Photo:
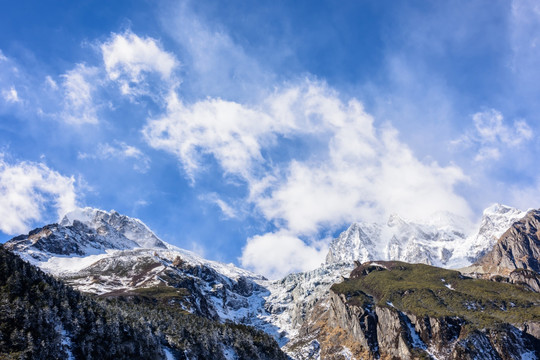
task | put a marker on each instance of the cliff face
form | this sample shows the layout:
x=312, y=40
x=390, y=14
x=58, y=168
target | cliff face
x=515, y=257
x=518, y=247
x=390, y=333
x=392, y=310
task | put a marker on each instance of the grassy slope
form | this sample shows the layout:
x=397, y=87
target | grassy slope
x=419, y=289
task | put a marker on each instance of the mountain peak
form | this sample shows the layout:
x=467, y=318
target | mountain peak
x=517, y=248
x=498, y=208
x=105, y=222
x=442, y=239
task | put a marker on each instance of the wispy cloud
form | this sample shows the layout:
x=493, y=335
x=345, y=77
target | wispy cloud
x=27, y=189
x=491, y=135
x=79, y=86
x=215, y=65
x=225, y=208
x=120, y=151
x=10, y=95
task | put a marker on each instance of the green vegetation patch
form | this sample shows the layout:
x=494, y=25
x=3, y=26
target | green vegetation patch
x=426, y=290
x=162, y=292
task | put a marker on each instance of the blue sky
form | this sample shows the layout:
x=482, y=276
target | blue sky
x=254, y=132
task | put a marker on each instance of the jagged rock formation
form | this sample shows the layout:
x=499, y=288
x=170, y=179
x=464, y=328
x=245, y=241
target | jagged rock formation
x=496, y=219
x=442, y=240
x=515, y=256
x=518, y=247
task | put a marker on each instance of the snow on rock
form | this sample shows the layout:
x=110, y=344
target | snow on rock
x=289, y=300
x=109, y=223
x=168, y=354
x=444, y=239
x=496, y=219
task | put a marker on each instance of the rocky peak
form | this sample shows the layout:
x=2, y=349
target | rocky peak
x=518, y=247
x=359, y=242
x=76, y=239
x=496, y=219
x=431, y=242
x=443, y=239
x=112, y=222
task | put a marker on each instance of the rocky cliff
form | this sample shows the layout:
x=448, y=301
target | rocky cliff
x=518, y=247
x=394, y=310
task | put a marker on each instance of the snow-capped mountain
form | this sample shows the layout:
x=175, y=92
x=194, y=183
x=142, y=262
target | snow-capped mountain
x=109, y=254
x=496, y=219
x=106, y=253
x=114, y=225
x=443, y=240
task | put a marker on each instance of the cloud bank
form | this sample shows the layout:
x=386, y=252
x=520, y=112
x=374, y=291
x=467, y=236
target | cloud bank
x=359, y=170
x=27, y=189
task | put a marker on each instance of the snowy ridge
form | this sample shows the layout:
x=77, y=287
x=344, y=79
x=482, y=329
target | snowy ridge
x=496, y=219
x=109, y=223
x=443, y=240
x=290, y=299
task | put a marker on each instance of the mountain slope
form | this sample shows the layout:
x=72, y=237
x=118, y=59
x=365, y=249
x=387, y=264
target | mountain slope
x=120, y=259
x=496, y=220
x=518, y=247
x=399, y=310
x=100, y=253
x=42, y=318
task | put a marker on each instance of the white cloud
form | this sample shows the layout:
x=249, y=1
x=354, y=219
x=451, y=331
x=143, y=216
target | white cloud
x=128, y=57
x=27, y=189
x=120, y=151
x=78, y=86
x=358, y=172
x=278, y=254
x=225, y=208
x=232, y=133
x=491, y=135
x=51, y=83
x=11, y=95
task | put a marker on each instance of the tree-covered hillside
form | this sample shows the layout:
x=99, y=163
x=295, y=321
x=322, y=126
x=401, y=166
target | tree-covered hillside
x=42, y=318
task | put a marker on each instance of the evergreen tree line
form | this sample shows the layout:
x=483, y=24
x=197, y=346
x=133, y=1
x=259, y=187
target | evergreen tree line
x=195, y=337
x=42, y=318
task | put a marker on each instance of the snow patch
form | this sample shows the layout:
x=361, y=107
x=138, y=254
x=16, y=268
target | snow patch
x=415, y=339
x=347, y=354
x=168, y=354
x=528, y=356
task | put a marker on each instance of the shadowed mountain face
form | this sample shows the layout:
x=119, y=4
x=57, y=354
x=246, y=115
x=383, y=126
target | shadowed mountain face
x=518, y=248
